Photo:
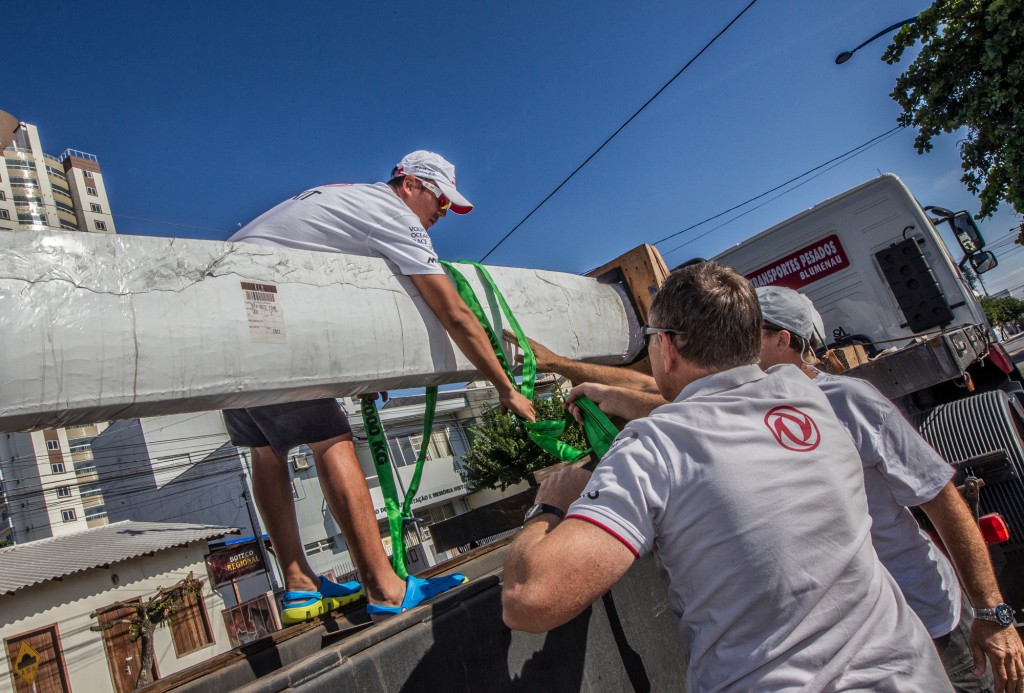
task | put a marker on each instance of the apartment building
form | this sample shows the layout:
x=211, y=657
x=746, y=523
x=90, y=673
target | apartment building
x=41, y=192
x=48, y=484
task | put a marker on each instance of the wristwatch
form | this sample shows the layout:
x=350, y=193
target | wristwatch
x=542, y=508
x=1001, y=613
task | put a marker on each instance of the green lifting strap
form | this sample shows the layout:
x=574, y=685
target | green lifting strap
x=382, y=462
x=599, y=430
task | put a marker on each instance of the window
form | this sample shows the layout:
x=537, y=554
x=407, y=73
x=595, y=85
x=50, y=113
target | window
x=95, y=207
x=56, y=467
x=80, y=444
x=3, y=195
x=53, y=445
x=300, y=462
x=437, y=448
x=87, y=174
x=319, y=547
x=4, y=214
x=88, y=490
x=190, y=626
x=68, y=515
x=90, y=190
x=63, y=492
x=85, y=467
x=96, y=512
x=100, y=226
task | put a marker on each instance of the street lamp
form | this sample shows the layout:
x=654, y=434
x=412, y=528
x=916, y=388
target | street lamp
x=846, y=55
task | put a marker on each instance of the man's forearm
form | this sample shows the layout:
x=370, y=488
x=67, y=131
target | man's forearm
x=965, y=545
x=580, y=372
x=471, y=339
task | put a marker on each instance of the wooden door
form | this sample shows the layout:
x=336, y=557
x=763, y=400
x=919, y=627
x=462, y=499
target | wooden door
x=51, y=673
x=123, y=655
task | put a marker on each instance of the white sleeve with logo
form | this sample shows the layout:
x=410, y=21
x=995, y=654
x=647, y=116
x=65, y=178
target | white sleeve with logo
x=626, y=494
x=405, y=242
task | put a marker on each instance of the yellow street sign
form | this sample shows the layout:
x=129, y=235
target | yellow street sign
x=26, y=662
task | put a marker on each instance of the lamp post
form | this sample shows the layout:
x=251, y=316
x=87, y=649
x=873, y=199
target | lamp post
x=846, y=55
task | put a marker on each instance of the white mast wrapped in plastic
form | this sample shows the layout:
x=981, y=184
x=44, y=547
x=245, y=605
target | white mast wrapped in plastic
x=96, y=327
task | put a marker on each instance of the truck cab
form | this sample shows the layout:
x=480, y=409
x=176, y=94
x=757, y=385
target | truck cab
x=899, y=313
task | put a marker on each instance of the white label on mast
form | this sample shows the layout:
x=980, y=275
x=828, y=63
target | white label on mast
x=265, y=315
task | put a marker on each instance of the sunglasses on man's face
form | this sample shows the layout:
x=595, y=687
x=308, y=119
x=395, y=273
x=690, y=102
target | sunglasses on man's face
x=647, y=331
x=441, y=197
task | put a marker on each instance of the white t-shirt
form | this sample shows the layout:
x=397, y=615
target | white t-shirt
x=365, y=220
x=900, y=471
x=754, y=497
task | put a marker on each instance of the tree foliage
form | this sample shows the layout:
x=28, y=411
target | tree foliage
x=502, y=454
x=145, y=617
x=969, y=74
x=1003, y=311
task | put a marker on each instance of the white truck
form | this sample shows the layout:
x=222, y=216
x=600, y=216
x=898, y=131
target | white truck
x=874, y=264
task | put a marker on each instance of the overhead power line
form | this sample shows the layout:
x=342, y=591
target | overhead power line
x=171, y=223
x=809, y=171
x=620, y=128
x=822, y=172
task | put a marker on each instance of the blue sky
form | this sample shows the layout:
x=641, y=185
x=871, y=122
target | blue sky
x=206, y=114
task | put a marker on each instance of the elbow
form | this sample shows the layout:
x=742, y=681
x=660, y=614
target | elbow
x=520, y=612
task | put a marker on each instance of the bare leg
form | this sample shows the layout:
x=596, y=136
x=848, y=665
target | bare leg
x=344, y=486
x=272, y=490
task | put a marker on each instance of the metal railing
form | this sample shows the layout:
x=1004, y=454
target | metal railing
x=78, y=155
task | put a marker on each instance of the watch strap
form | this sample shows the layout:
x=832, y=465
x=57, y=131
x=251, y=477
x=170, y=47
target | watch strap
x=544, y=508
x=1001, y=613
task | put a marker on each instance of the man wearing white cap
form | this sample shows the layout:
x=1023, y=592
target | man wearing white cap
x=901, y=471
x=387, y=220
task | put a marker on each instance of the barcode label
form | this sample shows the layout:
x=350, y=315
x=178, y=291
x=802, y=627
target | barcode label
x=263, y=313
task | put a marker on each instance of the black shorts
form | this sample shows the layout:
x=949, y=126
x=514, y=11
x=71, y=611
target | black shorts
x=288, y=425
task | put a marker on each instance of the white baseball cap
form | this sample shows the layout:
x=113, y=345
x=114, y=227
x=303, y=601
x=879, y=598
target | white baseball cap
x=434, y=167
x=792, y=311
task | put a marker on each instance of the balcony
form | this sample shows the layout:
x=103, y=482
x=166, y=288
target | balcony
x=78, y=155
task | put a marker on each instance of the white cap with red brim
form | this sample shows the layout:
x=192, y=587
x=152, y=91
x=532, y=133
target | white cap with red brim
x=434, y=167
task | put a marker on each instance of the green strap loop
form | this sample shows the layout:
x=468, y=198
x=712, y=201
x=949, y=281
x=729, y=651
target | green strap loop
x=382, y=462
x=598, y=429
x=428, y=428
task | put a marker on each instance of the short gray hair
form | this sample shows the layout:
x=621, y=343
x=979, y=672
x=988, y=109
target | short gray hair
x=715, y=314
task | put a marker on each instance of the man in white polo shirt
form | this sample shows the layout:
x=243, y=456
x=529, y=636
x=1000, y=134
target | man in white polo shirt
x=387, y=220
x=902, y=471
x=753, y=494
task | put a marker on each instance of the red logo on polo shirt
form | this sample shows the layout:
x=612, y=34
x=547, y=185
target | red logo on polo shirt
x=793, y=429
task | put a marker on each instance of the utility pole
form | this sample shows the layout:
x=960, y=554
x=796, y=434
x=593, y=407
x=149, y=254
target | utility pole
x=258, y=533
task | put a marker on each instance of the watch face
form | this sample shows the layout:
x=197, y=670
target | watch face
x=1004, y=614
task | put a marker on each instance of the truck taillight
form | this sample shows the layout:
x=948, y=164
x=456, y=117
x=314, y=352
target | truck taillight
x=999, y=358
x=993, y=529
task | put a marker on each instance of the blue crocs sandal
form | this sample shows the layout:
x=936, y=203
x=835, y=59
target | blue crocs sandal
x=417, y=591
x=337, y=595
x=297, y=607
